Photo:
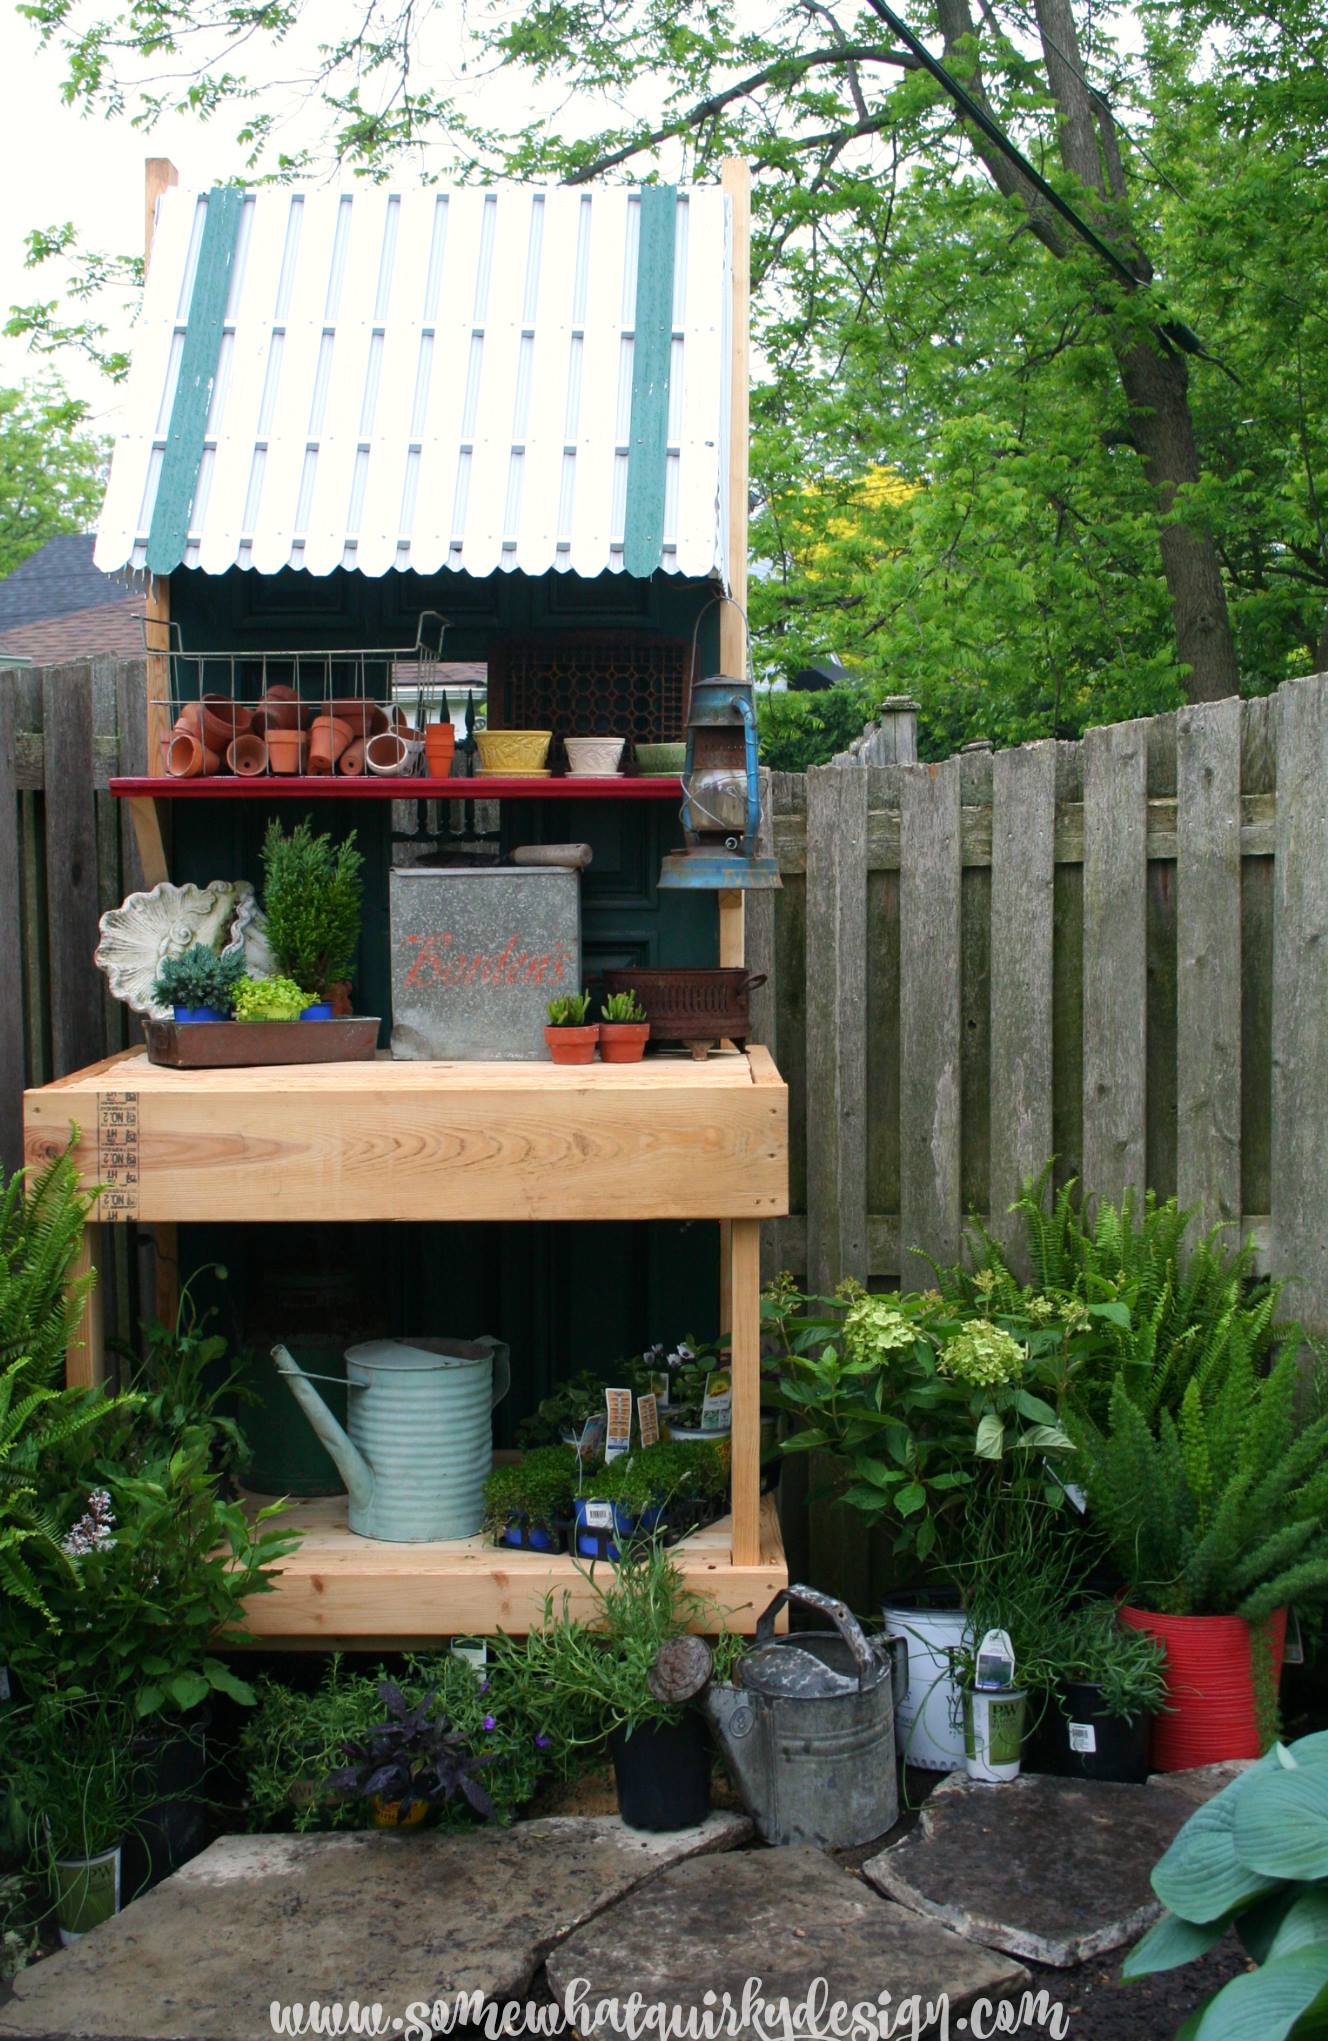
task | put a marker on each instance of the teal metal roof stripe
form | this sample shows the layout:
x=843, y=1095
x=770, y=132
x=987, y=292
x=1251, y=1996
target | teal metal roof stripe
x=193, y=392
x=647, y=459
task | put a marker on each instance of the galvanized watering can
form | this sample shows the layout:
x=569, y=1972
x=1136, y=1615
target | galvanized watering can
x=808, y=1730
x=420, y=1444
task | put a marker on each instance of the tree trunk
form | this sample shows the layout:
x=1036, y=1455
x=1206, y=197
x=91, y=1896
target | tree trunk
x=1154, y=374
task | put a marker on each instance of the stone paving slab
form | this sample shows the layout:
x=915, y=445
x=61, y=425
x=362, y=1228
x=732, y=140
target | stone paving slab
x=786, y=1916
x=1202, y=1782
x=1056, y=1870
x=375, y=1917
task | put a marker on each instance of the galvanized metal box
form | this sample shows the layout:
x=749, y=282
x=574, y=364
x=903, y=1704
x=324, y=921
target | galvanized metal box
x=477, y=956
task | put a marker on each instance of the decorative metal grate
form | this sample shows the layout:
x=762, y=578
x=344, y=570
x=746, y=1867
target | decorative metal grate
x=591, y=684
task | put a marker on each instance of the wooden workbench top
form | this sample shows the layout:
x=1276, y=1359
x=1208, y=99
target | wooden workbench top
x=669, y=1138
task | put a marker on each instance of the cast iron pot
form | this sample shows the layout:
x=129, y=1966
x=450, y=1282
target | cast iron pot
x=663, y=1773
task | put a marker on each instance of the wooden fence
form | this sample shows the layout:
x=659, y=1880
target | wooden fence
x=1114, y=952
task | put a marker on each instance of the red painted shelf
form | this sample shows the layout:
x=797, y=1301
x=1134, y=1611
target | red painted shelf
x=326, y=787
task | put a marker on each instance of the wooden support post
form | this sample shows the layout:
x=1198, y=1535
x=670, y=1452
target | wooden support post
x=745, y=1359
x=85, y=1361
x=160, y=176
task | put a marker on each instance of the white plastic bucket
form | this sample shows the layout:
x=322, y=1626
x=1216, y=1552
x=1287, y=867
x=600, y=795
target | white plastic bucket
x=929, y=1722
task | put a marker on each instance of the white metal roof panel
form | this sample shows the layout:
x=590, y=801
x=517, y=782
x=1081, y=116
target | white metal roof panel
x=426, y=380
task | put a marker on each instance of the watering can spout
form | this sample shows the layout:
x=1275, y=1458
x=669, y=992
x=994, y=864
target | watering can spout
x=732, y=1718
x=349, y=1461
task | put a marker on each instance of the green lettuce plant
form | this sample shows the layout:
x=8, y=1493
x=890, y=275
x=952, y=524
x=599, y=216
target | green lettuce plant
x=269, y=999
x=1254, y=1858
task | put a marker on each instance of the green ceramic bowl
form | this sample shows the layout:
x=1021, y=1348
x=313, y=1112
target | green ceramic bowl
x=660, y=758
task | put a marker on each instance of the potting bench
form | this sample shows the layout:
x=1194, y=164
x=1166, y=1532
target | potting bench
x=671, y=1138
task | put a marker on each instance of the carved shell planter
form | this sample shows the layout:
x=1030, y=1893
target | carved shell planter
x=137, y=937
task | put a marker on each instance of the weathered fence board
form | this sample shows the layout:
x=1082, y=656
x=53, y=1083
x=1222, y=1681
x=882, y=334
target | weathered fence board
x=11, y=955
x=929, y=1017
x=1208, y=975
x=1300, y=1000
x=1115, y=959
x=837, y=1024
x=1023, y=872
x=72, y=909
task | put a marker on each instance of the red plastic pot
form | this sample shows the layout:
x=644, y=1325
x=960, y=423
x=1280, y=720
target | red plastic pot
x=1211, y=1713
x=572, y=1045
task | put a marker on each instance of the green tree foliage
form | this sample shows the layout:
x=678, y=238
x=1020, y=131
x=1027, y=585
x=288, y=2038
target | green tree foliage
x=51, y=470
x=1111, y=472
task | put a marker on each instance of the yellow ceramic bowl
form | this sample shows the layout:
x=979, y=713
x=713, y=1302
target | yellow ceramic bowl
x=513, y=750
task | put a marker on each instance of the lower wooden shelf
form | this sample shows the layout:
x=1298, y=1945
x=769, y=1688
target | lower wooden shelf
x=341, y=1589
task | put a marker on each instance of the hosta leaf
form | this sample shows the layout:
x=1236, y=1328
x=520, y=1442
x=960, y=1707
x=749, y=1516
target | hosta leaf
x=1304, y=1924
x=1281, y=1823
x=1268, y=2003
x=1169, y=1943
x=1200, y=1877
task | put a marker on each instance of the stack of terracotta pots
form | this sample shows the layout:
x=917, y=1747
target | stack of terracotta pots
x=284, y=735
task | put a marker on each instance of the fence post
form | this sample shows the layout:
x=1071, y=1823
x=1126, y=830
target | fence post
x=1300, y=1002
x=1208, y=951
x=1115, y=958
x=929, y=1020
x=1023, y=849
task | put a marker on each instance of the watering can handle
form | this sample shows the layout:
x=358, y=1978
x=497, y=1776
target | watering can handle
x=502, y=1368
x=839, y=1613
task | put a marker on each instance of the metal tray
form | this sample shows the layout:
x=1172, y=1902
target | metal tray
x=231, y=1045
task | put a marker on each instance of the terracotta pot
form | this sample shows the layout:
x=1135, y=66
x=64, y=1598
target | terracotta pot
x=328, y=738
x=338, y=993
x=247, y=755
x=279, y=709
x=186, y=757
x=223, y=720
x=287, y=750
x=366, y=719
x=1211, y=1713
x=623, y=1041
x=351, y=760
x=439, y=749
x=572, y=1045
x=387, y=754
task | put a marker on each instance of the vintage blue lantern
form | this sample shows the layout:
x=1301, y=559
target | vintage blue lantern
x=721, y=783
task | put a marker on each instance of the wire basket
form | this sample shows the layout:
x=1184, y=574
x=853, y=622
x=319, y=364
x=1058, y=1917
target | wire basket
x=294, y=712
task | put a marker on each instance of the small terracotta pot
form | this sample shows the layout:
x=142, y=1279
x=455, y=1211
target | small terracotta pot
x=366, y=719
x=287, y=750
x=573, y=1045
x=338, y=994
x=186, y=757
x=247, y=755
x=439, y=749
x=623, y=1041
x=279, y=709
x=387, y=754
x=223, y=720
x=328, y=738
x=351, y=760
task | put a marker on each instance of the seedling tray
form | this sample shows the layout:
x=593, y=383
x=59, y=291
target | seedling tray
x=231, y=1045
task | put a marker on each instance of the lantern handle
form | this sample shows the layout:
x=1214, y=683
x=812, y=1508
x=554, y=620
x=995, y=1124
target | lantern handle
x=704, y=611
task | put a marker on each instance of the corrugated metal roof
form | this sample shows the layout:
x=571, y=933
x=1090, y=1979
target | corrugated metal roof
x=470, y=379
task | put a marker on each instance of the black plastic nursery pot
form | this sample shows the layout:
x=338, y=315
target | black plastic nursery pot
x=177, y=1825
x=1081, y=1739
x=663, y=1773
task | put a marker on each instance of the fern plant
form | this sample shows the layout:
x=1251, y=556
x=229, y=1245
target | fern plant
x=41, y=1230
x=1127, y=1292
x=34, y=1420
x=1218, y=1507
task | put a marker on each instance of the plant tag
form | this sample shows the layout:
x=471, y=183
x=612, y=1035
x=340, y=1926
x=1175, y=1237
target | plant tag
x=1295, y=1642
x=618, y=1436
x=717, y=1404
x=659, y=1388
x=591, y=1441
x=647, y=1418
x=473, y=1649
x=995, y=1667
x=1083, y=1737
x=598, y=1516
